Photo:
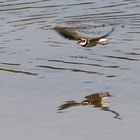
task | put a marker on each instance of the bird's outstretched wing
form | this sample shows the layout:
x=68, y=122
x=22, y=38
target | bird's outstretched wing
x=65, y=32
x=103, y=36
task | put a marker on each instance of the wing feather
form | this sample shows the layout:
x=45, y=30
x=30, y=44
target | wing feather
x=106, y=35
x=65, y=32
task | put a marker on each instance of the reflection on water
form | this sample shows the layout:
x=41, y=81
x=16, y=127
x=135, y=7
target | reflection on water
x=99, y=100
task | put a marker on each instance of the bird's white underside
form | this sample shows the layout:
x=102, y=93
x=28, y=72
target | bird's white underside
x=103, y=41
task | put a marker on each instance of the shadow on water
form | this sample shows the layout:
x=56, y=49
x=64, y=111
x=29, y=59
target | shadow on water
x=98, y=100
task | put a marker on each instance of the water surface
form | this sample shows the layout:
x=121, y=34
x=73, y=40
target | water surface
x=40, y=70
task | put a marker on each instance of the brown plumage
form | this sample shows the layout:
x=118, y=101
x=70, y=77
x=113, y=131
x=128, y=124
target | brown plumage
x=65, y=32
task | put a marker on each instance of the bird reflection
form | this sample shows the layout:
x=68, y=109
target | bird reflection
x=99, y=100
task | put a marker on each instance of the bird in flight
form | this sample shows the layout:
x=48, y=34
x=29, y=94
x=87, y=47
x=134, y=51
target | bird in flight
x=83, y=40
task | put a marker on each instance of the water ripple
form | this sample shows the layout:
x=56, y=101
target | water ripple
x=14, y=68
x=18, y=71
x=70, y=69
x=122, y=58
x=76, y=63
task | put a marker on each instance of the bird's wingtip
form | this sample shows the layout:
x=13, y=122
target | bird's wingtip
x=113, y=28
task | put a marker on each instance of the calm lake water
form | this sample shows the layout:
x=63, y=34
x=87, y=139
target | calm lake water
x=40, y=70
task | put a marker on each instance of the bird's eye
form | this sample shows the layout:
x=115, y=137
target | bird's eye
x=83, y=40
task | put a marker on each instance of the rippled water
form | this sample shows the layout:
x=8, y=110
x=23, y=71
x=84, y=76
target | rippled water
x=40, y=70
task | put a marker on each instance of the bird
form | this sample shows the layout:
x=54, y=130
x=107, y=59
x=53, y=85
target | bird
x=84, y=41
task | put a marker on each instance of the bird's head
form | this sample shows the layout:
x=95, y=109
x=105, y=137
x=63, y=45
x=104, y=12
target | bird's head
x=83, y=41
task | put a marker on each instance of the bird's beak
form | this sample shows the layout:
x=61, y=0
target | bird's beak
x=78, y=41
